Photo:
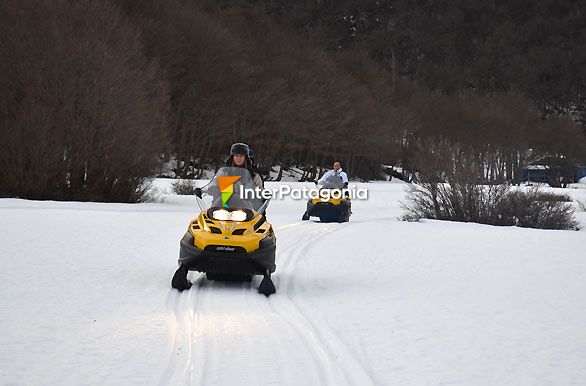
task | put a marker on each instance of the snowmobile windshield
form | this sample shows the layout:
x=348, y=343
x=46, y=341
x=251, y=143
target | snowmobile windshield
x=332, y=182
x=230, y=189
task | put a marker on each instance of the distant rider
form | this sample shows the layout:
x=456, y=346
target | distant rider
x=337, y=171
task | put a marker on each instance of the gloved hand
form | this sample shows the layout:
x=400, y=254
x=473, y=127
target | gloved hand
x=345, y=185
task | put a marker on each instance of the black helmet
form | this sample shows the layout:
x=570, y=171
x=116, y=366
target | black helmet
x=240, y=148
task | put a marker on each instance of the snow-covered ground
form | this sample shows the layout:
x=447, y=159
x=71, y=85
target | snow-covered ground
x=85, y=299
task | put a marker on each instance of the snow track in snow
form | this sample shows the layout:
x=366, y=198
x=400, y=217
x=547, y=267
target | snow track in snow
x=260, y=341
x=339, y=365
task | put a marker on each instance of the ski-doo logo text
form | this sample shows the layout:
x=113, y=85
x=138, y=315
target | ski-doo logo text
x=226, y=184
x=225, y=249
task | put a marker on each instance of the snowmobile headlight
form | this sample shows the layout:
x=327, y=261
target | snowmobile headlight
x=238, y=215
x=225, y=215
x=221, y=214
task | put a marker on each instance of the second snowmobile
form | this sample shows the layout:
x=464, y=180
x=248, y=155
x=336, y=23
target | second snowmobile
x=333, y=205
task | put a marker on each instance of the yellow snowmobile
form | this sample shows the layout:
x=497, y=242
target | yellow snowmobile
x=332, y=205
x=231, y=239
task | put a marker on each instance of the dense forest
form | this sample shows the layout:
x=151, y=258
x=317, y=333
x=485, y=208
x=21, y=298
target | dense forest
x=94, y=95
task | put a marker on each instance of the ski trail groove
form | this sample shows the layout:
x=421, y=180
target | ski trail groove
x=189, y=350
x=184, y=321
x=328, y=369
x=176, y=339
x=334, y=354
x=194, y=373
x=284, y=341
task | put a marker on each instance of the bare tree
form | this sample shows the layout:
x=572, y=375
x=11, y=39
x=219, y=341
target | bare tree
x=83, y=111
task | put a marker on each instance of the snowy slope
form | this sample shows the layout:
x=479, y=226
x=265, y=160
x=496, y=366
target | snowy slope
x=85, y=300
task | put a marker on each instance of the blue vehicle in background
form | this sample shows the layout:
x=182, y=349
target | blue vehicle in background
x=542, y=174
x=580, y=172
x=553, y=175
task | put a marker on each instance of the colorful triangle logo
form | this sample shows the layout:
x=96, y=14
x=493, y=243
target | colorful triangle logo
x=226, y=184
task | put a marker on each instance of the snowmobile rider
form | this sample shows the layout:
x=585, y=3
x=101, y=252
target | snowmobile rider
x=345, y=203
x=240, y=157
x=337, y=171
